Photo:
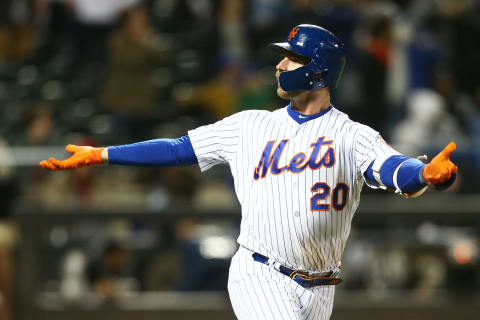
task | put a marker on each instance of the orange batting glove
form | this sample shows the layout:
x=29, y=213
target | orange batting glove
x=441, y=169
x=82, y=156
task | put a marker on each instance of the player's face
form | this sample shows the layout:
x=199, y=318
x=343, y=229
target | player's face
x=288, y=63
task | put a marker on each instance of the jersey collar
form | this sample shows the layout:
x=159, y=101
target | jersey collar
x=301, y=118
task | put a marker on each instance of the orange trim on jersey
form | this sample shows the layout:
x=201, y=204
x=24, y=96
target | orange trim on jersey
x=305, y=164
x=260, y=162
x=330, y=153
x=269, y=162
x=275, y=161
x=315, y=145
x=272, y=159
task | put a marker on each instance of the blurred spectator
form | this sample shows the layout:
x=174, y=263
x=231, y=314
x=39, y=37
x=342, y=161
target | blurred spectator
x=158, y=270
x=55, y=24
x=426, y=115
x=424, y=54
x=130, y=92
x=110, y=273
x=180, y=185
x=38, y=125
x=458, y=104
x=236, y=87
x=233, y=30
x=93, y=22
x=217, y=97
x=206, y=250
x=264, y=18
x=433, y=117
x=16, y=30
x=373, y=62
x=257, y=90
x=342, y=17
x=194, y=22
x=455, y=23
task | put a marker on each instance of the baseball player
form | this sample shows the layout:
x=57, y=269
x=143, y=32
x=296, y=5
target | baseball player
x=298, y=174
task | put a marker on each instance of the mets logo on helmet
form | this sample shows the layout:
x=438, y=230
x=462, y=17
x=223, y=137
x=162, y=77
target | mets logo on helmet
x=293, y=33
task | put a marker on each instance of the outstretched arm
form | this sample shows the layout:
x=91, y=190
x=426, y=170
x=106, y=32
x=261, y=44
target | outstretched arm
x=152, y=153
x=410, y=176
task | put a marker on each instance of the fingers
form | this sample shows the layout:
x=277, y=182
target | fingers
x=47, y=165
x=63, y=164
x=448, y=172
x=73, y=148
x=439, y=174
x=446, y=153
x=455, y=168
x=80, y=157
x=54, y=164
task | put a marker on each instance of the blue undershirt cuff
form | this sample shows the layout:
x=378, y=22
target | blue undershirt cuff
x=409, y=176
x=388, y=168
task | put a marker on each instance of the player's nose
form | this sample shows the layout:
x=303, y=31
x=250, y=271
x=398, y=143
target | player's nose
x=282, y=65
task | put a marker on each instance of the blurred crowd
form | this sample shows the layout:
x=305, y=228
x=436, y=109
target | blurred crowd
x=117, y=71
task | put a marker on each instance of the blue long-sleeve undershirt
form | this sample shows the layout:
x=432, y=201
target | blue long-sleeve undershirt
x=179, y=152
x=409, y=176
x=154, y=153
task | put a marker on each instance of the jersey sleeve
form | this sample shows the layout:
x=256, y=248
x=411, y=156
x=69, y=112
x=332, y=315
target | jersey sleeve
x=216, y=143
x=369, y=146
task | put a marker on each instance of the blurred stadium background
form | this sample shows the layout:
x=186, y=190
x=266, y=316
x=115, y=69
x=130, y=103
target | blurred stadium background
x=129, y=243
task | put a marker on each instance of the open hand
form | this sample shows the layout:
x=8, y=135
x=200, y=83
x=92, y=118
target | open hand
x=81, y=156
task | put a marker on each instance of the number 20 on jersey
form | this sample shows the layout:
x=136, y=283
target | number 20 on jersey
x=323, y=201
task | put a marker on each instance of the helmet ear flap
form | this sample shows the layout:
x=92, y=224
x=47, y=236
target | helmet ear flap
x=303, y=78
x=320, y=75
x=319, y=65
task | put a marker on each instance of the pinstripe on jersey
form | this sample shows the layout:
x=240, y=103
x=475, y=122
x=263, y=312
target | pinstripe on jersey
x=297, y=202
x=259, y=292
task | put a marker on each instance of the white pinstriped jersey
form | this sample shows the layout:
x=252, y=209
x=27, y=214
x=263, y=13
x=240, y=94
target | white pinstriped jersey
x=298, y=184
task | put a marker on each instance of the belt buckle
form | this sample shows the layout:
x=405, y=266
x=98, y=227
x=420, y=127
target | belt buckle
x=301, y=275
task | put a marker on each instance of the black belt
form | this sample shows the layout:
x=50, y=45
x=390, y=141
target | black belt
x=302, y=278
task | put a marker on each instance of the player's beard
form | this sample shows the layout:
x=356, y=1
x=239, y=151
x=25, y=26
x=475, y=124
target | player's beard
x=287, y=95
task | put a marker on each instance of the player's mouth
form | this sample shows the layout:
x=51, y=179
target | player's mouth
x=277, y=75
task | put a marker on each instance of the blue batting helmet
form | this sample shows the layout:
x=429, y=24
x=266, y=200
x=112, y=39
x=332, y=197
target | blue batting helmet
x=322, y=52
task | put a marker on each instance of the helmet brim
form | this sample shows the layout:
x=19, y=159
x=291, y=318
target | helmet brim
x=280, y=47
x=285, y=49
